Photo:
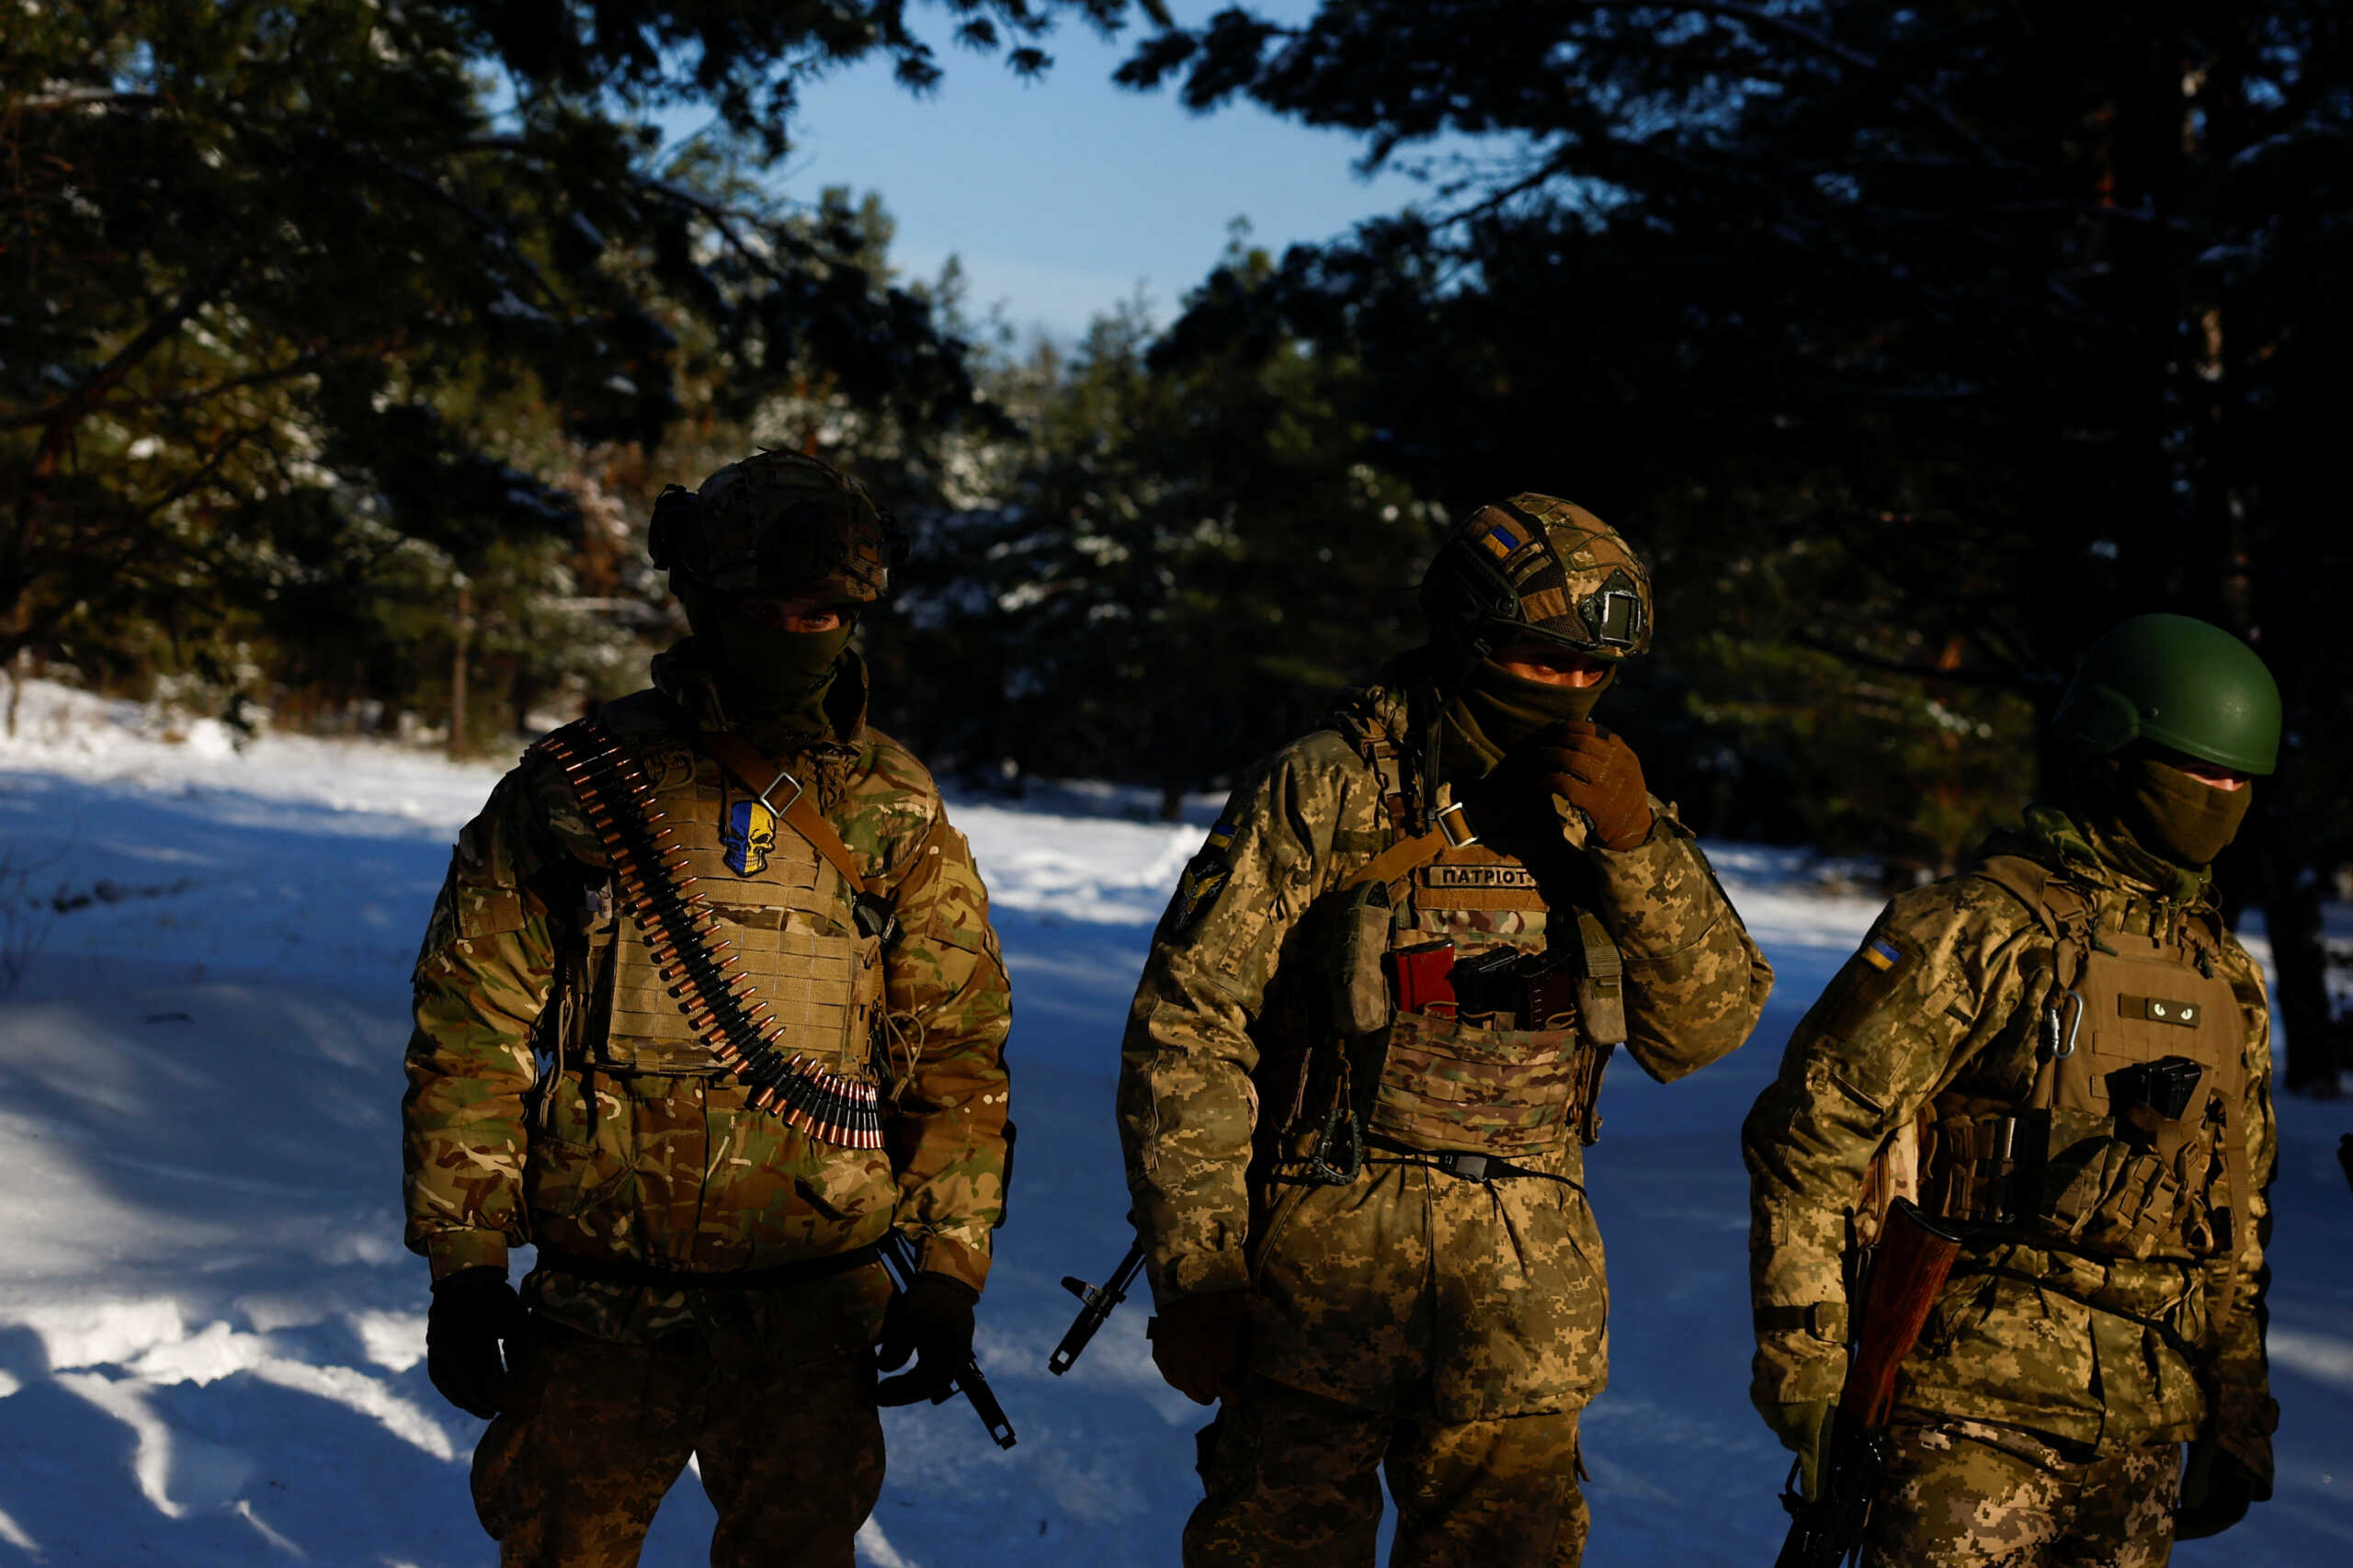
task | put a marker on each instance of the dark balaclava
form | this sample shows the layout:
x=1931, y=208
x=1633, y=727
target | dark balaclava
x=768, y=678
x=2184, y=819
x=2156, y=808
x=1492, y=711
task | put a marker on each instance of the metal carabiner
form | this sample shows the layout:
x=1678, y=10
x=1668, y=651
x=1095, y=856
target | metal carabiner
x=2060, y=1050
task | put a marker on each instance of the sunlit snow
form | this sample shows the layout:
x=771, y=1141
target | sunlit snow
x=211, y=1341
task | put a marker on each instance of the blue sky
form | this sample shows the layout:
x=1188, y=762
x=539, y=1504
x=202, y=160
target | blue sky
x=1062, y=195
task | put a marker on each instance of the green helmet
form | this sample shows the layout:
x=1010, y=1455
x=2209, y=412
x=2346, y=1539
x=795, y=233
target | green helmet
x=1537, y=568
x=2180, y=683
x=778, y=523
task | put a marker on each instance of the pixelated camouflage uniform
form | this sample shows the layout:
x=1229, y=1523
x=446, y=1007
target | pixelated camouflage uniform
x=1454, y=1327
x=2062, y=1358
x=517, y=1134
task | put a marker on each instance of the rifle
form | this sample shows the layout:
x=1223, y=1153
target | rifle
x=1099, y=1303
x=1908, y=1267
x=899, y=1263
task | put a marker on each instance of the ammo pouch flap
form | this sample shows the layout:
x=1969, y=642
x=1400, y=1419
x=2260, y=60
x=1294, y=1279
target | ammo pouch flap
x=1600, y=983
x=1360, y=981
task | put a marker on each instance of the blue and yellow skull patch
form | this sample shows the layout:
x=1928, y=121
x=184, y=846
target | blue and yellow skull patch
x=749, y=836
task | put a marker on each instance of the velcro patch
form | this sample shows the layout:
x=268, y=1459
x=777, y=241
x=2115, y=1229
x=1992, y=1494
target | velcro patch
x=1196, y=891
x=1477, y=877
x=2159, y=1010
x=1867, y=980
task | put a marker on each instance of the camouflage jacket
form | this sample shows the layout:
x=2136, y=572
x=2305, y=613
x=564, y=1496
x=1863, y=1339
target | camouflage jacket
x=1220, y=1001
x=674, y=1170
x=2082, y=1348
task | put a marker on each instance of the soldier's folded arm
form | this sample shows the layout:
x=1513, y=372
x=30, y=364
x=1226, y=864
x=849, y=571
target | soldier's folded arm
x=482, y=979
x=1187, y=1104
x=1937, y=974
x=1696, y=981
x=949, y=1009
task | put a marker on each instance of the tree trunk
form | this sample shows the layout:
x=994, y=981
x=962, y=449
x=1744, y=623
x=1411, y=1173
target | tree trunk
x=457, y=668
x=2307, y=1046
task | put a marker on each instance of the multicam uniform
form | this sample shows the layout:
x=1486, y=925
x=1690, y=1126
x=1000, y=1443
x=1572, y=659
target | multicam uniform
x=2080, y=1053
x=559, y=1097
x=1450, y=1324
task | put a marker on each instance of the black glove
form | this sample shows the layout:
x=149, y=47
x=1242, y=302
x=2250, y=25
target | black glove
x=932, y=1321
x=1197, y=1342
x=2216, y=1492
x=474, y=1309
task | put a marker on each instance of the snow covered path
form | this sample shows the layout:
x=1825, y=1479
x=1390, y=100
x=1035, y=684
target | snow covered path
x=211, y=1340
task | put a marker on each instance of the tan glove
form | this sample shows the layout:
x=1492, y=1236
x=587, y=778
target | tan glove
x=1595, y=771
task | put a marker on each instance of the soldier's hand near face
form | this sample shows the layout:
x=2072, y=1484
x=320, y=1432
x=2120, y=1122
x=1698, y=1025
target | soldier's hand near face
x=1593, y=770
x=932, y=1321
x=473, y=1311
x=1197, y=1343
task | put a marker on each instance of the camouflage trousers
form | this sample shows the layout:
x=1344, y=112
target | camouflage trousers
x=1972, y=1495
x=1292, y=1479
x=595, y=1434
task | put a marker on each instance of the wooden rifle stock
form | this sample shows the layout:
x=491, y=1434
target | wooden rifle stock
x=1909, y=1267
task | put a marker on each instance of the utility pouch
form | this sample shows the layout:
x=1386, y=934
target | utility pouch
x=1360, y=993
x=1601, y=985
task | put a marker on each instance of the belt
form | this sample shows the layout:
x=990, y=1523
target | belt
x=1459, y=1164
x=619, y=1271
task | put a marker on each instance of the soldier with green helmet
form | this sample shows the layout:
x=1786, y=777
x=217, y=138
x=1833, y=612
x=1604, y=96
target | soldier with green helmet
x=704, y=1067
x=1363, y=1062
x=2063, y=1054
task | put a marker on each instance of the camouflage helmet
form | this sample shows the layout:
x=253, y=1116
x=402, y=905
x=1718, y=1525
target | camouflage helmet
x=778, y=523
x=2184, y=683
x=1535, y=568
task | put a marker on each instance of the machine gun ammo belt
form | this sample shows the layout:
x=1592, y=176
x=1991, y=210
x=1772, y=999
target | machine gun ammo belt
x=681, y=933
x=619, y=1271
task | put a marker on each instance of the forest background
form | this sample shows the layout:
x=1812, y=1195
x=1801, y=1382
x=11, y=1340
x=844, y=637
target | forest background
x=344, y=345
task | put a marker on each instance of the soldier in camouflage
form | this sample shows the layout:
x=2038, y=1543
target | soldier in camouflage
x=706, y=1282
x=1362, y=1062
x=2065, y=1053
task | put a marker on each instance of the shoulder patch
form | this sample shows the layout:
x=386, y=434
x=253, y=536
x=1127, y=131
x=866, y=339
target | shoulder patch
x=1867, y=980
x=1206, y=875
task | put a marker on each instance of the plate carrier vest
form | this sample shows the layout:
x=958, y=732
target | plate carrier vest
x=2129, y=1143
x=736, y=945
x=1430, y=1074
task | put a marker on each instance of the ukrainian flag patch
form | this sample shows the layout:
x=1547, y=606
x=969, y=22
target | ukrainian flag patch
x=1881, y=954
x=1500, y=542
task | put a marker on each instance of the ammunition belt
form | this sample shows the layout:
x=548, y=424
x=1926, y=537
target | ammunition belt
x=680, y=930
x=621, y=1271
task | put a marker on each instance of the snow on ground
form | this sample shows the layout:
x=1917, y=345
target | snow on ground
x=211, y=1342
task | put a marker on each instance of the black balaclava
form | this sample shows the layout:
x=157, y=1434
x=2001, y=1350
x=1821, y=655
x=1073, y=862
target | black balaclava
x=768, y=678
